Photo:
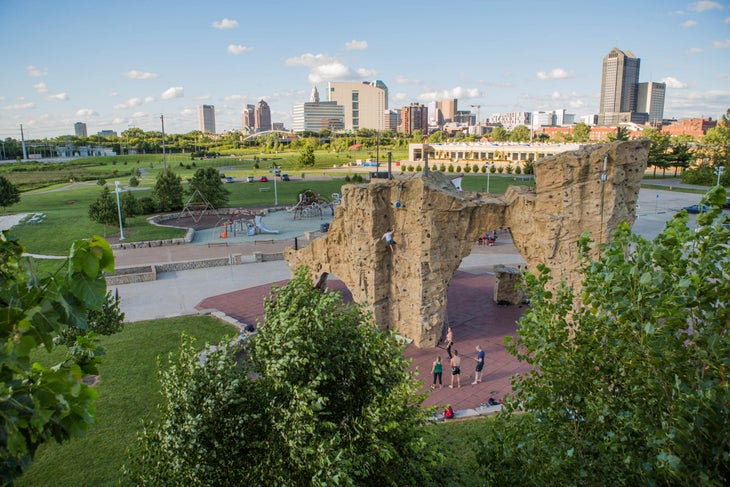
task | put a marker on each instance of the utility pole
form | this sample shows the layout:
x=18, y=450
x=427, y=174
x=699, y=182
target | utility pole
x=164, y=158
x=22, y=140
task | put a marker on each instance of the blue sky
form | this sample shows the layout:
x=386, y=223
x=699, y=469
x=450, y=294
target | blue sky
x=116, y=65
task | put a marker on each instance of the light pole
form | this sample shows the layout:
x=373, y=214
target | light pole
x=275, y=171
x=119, y=210
x=489, y=172
x=719, y=170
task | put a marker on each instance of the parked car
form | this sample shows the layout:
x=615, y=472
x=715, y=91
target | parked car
x=696, y=208
x=249, y=179
x=229, y=179
x=285, y=177
x=727, y=204
x=263, y=179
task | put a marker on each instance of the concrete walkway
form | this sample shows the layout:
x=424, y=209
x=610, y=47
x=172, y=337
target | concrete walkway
x=238, y=291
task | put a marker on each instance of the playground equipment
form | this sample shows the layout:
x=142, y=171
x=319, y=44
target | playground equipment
x=242, y=221
x=196, y=207
x=311, y=204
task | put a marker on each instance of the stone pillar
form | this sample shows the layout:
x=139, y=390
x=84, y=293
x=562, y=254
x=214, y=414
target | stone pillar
x=505, y=286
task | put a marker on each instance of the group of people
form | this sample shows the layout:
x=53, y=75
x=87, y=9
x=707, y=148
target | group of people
x=487, y=238
x=455, y=363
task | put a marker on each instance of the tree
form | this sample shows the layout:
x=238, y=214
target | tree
x=520, y=134
x=9, y=193
x=106, y=320
x=658, y=151
x=499, y=134
x=581, y=132
x=40, y=403
x=306, y=158
x=168, y=191
x=322, y=409
x=208, y=182
x=130, y=205
x=629, y=381
x=104, y=210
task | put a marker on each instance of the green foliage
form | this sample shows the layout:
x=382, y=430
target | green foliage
x=133, y=182
x=332, y=403
x=9, y=193
x=306, y=158
x=629, y=383
x=208, y=182
x=40, y=403
x=467, y=168
x=104, y=210
x=168, y=192
x=520, y=134
x=581, y=132
x=499, y=134
x=475, y=168
x=130, y=205
x=106, y=320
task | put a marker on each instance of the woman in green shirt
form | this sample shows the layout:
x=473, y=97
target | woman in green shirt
x=437, y=370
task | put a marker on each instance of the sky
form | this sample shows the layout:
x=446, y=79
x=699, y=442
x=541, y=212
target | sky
x=116, y=65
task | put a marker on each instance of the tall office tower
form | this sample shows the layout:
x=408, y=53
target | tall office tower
x=651, y=100
x=433, y=115
x=392, y=119
x=248, y=118
x=364, y=103
x=262, y=117
x=619, y=87
x=317, y=115
x=448, y=109
x=380, y=84
x=414, y=117
x=206, y=118
x=80, y=129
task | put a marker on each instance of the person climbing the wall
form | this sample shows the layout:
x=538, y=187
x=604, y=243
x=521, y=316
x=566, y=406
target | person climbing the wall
x=388, y=237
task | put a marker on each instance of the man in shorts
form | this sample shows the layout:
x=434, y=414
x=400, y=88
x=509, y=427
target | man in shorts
x=480, y=365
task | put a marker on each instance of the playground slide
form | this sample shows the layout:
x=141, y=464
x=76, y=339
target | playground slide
x=262, y=227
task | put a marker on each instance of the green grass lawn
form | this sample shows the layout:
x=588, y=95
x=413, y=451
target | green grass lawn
x=128, y=394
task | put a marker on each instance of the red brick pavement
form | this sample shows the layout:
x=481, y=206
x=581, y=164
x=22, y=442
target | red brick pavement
x=472, y=313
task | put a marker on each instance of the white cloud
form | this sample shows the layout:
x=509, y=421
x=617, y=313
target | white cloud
x=309, y=59
x=329, y=71
x=727, y=20
x=113, y=94
x=400, y=96
x=238, y=49
x=174, y=92
x=695, y=50
x=225, y=24
x=58, y=97
x=131, y=103
x=557, y=73
x=402, y=80
x=366, y=73
x=689, y=23
x=673, y=83
x=234, y=98
x=458, y=92
x=722, y=44
x=149, y=99
x=40, y=87
x=354, y=45
x=33, y=71
x=187, y=112
x=45, y=116
x=86, y=112
x=204, y=97
x=20, y=106
x=138, y=114
x=704, y=5
x=134, y=74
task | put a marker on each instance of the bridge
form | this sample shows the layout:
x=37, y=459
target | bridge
x=266, y=132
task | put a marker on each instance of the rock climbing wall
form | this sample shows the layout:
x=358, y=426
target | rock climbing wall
x=436, y=226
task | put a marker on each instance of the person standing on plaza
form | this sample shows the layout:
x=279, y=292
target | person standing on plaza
x=455, y=369
x=449, y=341
x=437, y=370
x=480, y=364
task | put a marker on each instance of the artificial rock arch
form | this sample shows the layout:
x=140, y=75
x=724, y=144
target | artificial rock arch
x=436, y=227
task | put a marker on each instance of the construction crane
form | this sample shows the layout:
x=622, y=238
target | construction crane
x=479, y=114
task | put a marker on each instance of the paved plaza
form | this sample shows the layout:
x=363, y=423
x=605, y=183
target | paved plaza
x=238, y=291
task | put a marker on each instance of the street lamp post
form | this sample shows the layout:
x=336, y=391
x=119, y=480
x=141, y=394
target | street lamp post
x=719, y=170
x=489, y=172
x=119, y=209
x=275, y=171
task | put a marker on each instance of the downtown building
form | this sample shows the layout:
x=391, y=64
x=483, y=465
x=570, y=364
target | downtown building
x=80, y=129
x=414, y=117
x=316, y=115
x=620, y=89
x=248, y=118
x=206, y=119
x=262, y=117
x=365, y=104
x=650, y=100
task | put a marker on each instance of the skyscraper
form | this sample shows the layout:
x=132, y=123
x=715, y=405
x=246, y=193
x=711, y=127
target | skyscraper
x=447, y=109
x=619, y=87
x=414, y=117
x=651, y=100
x=262, y=117
x=317, y=115
x=80, y=129
x=206, y=119
x=248, y=118
x=365, y=103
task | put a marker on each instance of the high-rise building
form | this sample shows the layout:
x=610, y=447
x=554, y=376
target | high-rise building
x=392, y=119
x=316, y=115
x=80, y=129
x=262, y=117
x=651, y=100
x=248, y=118
x=364, y=103
x=619, y=87
x=206, y=119
x=448, y=109
x=414, y=117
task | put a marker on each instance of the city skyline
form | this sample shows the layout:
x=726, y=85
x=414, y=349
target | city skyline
x=113, y=68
